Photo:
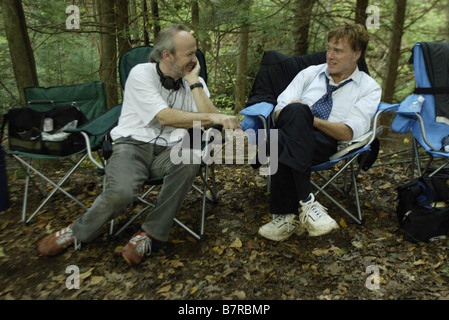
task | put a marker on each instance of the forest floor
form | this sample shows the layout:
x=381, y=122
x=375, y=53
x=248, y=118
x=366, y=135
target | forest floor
x=368, y=262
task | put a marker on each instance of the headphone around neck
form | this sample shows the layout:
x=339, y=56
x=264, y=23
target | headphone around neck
x=168, y=82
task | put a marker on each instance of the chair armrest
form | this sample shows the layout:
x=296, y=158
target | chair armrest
x=344, y=147
x=94, y=131
x=101, y=125
x=410, y=107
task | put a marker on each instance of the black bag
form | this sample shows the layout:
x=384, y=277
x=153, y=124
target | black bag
x=423, y=210
x=26, y=130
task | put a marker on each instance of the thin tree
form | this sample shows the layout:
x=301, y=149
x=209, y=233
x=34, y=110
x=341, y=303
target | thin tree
x=360, y=11
x=242, y=59
x=123, y=34
x=302, y=18
x=155, y=18
x=394, y=51
x=108, y=49
x=22, y=56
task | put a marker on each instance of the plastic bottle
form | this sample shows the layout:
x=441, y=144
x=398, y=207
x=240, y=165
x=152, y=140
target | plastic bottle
x=416, y=106
x=48, y=124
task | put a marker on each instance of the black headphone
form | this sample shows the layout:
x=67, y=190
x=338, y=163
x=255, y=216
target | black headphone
x=168, y=82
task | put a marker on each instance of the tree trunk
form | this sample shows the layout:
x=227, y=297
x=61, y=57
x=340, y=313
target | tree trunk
x=393, y=59
x=195, y=9
x=394, y=51
x=108, y=50
x=360, y=11
x=447, y=20
x=242, y=63
x=123, y=35
x=195, y=14
x=146, y=37
x=133, y=25
x=302, y=16
x=155, y=18
x=20, y=50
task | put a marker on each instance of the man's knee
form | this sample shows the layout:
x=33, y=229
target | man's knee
x=120, y=196
x=297, y=109
x=294, y=113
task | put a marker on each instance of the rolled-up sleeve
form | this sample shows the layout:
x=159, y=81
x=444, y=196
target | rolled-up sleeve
x=361, y=114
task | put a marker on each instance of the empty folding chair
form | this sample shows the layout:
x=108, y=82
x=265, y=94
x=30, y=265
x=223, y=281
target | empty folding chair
x=425, y=113
x=38, y=132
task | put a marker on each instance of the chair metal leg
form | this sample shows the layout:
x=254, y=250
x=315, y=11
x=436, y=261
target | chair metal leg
x=416, y=156
x=209, y=174
x=25, y=194
x=56, y=186
x=349, y=164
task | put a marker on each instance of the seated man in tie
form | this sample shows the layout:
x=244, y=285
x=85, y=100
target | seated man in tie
x=321, y=106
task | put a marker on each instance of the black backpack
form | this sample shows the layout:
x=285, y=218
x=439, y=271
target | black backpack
x=423, y=208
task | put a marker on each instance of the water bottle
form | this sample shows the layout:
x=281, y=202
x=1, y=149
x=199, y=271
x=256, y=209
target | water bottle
x=416, y=106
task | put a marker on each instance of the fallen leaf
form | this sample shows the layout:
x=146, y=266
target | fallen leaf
x=385, y=186
x=164, y=289
x=194, y=290
x=96, y=280
x=236, y=244
x=86, y=274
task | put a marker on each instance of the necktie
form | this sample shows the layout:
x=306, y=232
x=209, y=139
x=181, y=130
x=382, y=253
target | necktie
x=322, y=108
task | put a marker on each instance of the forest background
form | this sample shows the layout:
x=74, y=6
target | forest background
x=50, y=43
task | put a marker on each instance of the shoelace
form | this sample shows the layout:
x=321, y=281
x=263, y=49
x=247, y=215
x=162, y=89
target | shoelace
x=63, y=236
x=280, y=219
x=315, y=207
x=143, y=244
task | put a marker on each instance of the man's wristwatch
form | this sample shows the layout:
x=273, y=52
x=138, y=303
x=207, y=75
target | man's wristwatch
x=196, y=85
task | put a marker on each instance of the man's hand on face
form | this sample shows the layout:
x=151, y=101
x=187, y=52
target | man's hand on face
x=192, y=76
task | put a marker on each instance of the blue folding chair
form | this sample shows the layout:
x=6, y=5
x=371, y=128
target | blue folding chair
x=429, y=122
x=258, y=115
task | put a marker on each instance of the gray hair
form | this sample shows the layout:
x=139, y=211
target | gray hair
x=165, y=41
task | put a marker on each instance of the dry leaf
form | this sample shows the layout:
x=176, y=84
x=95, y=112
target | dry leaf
x=86, y=274
x=164, y=289
x=385, y=186
x=96, y=280
x=236, y=244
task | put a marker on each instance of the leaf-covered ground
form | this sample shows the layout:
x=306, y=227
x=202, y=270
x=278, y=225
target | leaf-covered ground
x=232, y=262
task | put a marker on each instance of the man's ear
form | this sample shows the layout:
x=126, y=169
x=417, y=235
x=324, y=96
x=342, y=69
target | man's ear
x=357, y=55
x=166, y=54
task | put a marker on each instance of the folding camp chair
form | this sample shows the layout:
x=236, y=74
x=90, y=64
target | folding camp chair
x=429, y=122
x=259, y=116
x=106, y=122
x=90, y=99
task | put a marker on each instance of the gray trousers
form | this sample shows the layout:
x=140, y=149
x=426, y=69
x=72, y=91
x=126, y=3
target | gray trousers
x=131, y=163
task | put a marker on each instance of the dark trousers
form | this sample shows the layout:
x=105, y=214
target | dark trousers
x=300, y=146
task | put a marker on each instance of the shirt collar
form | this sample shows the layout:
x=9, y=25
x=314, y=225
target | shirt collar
x=355, y=76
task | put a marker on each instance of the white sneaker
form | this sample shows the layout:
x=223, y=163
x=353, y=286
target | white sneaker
x=315, y=219
x=280, y=228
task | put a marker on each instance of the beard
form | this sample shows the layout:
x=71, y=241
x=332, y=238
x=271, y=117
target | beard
x=182, y=70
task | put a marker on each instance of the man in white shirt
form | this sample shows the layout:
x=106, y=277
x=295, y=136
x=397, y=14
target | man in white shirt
x=160, y=96
x=308, y=133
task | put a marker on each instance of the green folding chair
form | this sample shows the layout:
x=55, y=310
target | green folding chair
x=90, y=99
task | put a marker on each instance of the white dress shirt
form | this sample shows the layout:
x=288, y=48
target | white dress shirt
x=144, y=96
x=354, y=104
